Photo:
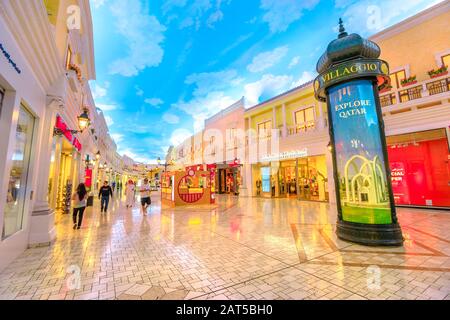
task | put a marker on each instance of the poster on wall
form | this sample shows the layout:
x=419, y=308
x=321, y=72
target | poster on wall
x=362, y=179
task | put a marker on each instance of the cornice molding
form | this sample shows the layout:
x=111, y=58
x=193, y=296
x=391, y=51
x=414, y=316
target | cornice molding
x=412, y=22
x=29, y=25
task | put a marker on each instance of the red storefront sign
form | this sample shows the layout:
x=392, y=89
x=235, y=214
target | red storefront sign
x=420, y=173
x=62, y=126
x=77, y=144
x=65, y=131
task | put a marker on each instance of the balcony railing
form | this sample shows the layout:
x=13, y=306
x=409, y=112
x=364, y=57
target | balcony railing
x=421, y=90
x=439, y=86
x=306, y=127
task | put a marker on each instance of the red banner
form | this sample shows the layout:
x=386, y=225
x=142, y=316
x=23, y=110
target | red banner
x=88, y=178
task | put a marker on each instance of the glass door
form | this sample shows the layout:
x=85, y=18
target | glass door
x=16, y=197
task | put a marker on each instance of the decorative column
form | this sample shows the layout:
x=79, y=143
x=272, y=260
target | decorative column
x=42, y=225
x=283, y=109
x=350, y=75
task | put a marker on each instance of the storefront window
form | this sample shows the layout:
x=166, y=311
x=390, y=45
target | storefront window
x=265, y=129
x=266, y=181
x=17, y=185
x=397, y=77
x=420, y=168
x=304, y=119
x=312, y=178
x=446, y=60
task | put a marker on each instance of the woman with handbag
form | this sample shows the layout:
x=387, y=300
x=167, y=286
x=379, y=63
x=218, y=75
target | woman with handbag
x=79, y=205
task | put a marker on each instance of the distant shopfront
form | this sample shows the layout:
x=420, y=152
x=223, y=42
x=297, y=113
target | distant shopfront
x=293, y=175
x=420, y=168
x=64, y=167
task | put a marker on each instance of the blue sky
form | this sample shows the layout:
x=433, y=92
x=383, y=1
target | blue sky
x=163, y=66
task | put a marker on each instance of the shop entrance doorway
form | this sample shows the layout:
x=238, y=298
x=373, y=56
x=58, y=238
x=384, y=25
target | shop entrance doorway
x=287, y=180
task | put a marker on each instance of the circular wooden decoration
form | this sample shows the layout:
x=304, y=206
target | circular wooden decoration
x=189, y=197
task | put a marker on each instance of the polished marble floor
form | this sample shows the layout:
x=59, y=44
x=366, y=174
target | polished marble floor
x=240, y=248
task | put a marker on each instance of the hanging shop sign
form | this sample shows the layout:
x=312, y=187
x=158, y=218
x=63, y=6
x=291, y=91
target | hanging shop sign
x=9, y=59
x=88, y=178
x=62, y=128
x=285, y=155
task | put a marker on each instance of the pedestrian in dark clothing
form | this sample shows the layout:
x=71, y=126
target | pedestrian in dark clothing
x=79, y=205
x=104, y=194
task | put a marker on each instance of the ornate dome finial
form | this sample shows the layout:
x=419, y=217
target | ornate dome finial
x=342, y=32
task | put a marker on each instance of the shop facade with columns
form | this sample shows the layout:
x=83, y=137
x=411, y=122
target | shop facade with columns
x=31, y=83
x=287, y=149
x=45, y=95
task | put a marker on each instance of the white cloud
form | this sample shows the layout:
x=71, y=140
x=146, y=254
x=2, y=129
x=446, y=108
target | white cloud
x=267, y=85
x=139, y=91
x=169, y=5
x=98, y=3
x=214, y=18
x=265, y=60
x=170, y=118
x=179, y=136
x=109, y=121
x=236, y=43
x=155, y=102
x=281, y=13
x=117, y=137
x=306, y=77
x=213, y=81
x=99, y=91
x=186, y=23
x=367, y=17
x=133, y=155
x=294, y=62
x=143, y=36
x=194, y=12
x=203, y=107
x=106, y=107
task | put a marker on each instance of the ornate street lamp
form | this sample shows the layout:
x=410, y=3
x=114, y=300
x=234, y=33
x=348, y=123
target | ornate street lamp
x=97, y=155
x=350, y=75
x=83, y=120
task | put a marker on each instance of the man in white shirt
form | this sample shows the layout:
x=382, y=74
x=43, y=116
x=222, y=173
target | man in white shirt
x=145, y=192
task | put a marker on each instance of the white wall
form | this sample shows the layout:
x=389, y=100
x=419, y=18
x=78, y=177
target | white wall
x=20, y=89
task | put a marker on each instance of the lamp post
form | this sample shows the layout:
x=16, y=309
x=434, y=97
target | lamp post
x=350, y=74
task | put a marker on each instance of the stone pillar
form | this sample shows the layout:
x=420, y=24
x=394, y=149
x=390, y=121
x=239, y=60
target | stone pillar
x=42, y=225
x=283, y=108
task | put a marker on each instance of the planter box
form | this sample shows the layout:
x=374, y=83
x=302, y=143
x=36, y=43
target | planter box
x=439, y=75
x=385, y=90
x=409, y=83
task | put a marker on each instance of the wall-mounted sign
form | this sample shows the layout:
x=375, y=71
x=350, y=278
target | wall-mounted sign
x=285, y=155
x=9, y=59
x=351, y=70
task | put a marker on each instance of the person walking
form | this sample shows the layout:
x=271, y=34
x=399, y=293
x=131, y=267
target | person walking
x=130, y=193
x=145, y=192
x=105, y=193
x=79, y=205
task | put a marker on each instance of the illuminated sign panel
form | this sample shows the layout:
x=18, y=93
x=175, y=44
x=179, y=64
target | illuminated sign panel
x=360, y=162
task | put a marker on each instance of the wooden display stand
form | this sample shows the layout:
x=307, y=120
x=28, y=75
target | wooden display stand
x=181, y=189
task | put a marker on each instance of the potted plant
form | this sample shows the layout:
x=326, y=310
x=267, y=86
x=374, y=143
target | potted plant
x=443, y=70
x=386, y=88
x=409, y=81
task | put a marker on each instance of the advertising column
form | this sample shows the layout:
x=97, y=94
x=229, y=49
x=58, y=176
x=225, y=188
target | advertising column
x=350, y=75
